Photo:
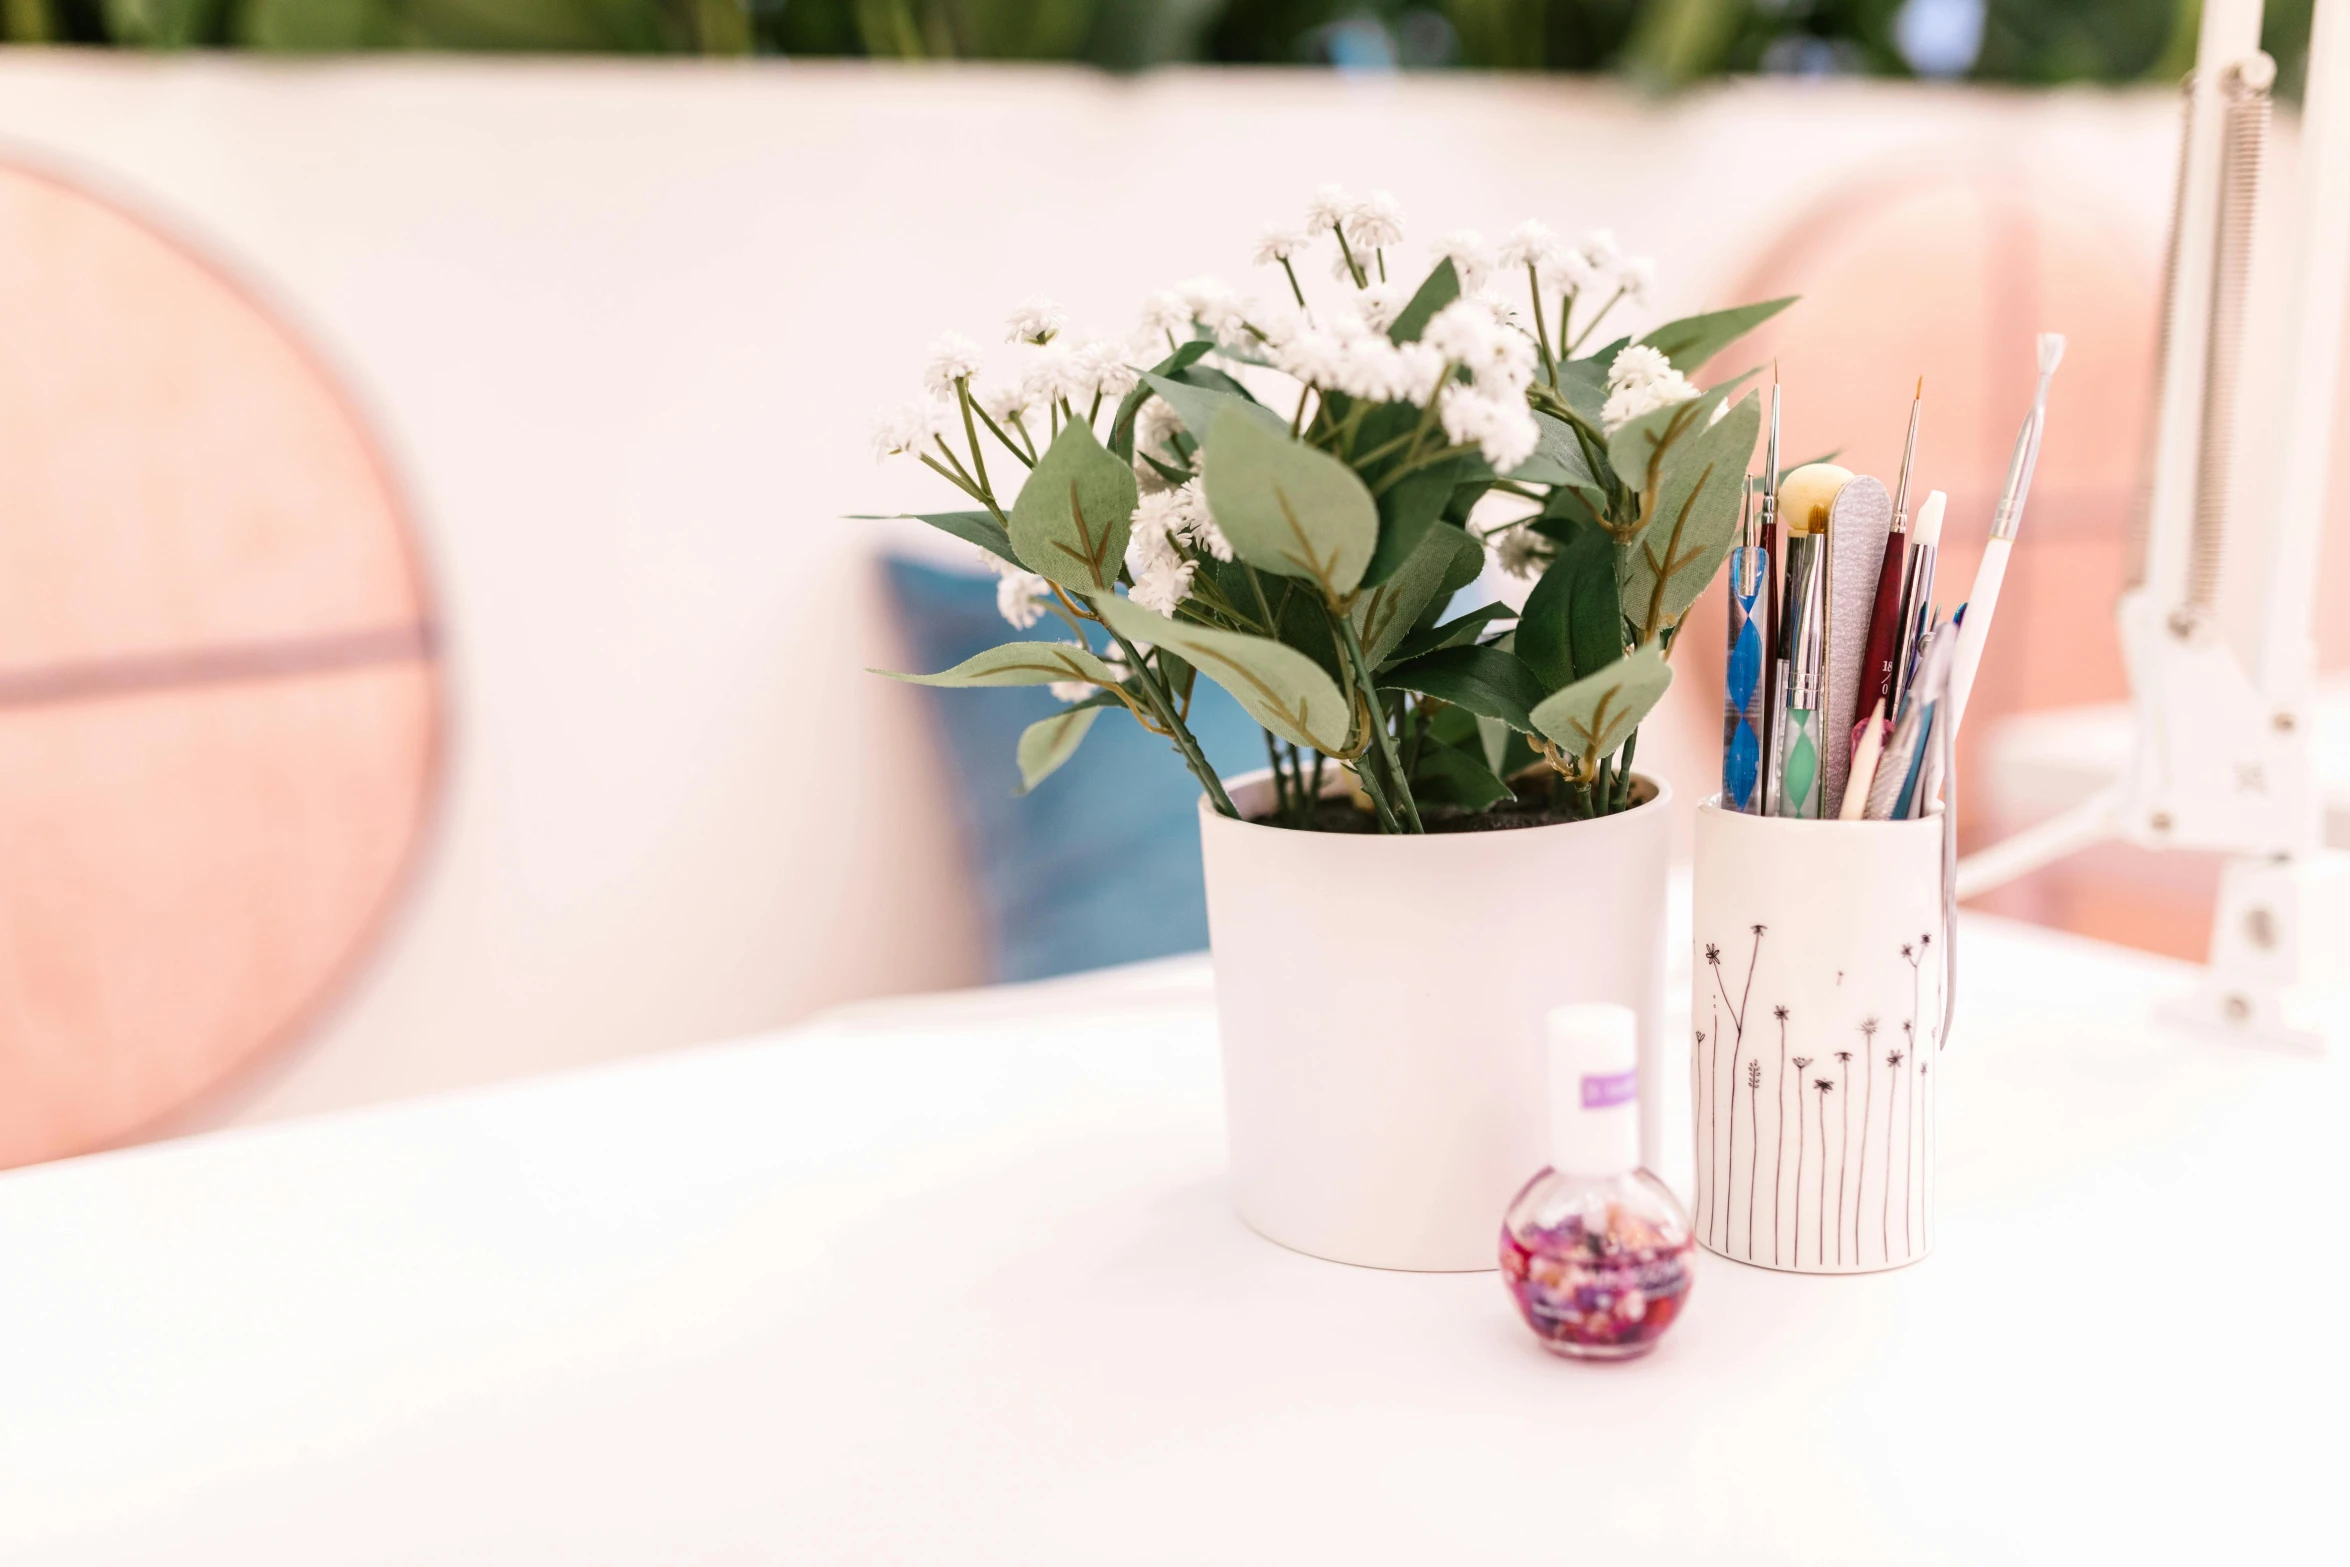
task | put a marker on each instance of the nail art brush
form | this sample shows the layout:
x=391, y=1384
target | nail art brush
x=1864, y=764
x=1897, y=769
x=1877, y=662
x=2004, y=523
x=1805, y=497
x=1774, y=552
x=1917, y=594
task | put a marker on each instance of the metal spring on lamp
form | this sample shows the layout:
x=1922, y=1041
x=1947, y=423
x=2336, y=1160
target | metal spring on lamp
x=2142, y=504
x=2243, y=140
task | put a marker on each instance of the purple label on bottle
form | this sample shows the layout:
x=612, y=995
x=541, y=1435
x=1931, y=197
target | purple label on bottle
x=1618, y=1088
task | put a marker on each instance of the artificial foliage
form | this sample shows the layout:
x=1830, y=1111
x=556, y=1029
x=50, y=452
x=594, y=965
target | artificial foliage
x=1290, y=498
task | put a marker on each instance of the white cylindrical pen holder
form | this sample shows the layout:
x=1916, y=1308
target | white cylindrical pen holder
x=1816, y=1016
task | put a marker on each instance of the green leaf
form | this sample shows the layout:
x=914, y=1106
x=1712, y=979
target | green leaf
x=1696, y=520
x=1047, y=743
x=1494, y=738
x=1408, y=509
x=1385, y=614
x=1287, y=508
x=1441, y=288
x=1637, y=441
x=1452, y=775
x=1485, y=680
x=1198, y=406
x=1558, y=458
x=1122, y=427
x=1692, y=340
x=1071, y=519
x=1017, y=664
x=1453, y=633
x=973, y=527
x=1573, y=622
x=1595, y=716
x=1280, y=687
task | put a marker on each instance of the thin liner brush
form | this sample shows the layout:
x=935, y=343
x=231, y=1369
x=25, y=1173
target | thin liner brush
x=1878, y=662
x=1917, y=596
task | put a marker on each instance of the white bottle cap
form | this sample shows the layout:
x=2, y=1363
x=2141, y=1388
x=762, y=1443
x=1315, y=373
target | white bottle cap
x=1594, y=1090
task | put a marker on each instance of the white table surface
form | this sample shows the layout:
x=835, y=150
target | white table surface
x=955, y=1281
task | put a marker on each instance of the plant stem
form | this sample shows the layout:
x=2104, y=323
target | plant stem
x=1367, y=776
x=1163, y=701
x=1592, y=325
x=1354, y=268
x=1387, y=756
x=971, y=432
x=1293, y=283
x=1281, y=806
x=1541, y=334
x=1624, y=770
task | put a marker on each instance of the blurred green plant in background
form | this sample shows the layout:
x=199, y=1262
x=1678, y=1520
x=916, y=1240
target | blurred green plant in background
x=1660, y=43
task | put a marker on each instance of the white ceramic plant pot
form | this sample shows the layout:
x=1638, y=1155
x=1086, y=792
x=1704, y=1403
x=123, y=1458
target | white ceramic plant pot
x=1382, y=1003
x=1816, y=1014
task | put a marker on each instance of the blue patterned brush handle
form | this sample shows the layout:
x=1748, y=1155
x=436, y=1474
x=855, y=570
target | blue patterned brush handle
x=1742, y=702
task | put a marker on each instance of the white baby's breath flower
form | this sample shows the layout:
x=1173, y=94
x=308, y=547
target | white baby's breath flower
x=1071, y=690
x=1568, y=272
x=1420, y=370
x=1155, y=429
x=1162, y=580
x=1601, y=250
x=1057, y=372
x=1200, y=524
x=1278, y=244
x=1313, y=356
x=1463, y=331
x=953, y=358
x=1020, y=596
x=1104, y=364
x=1376, y=223
x=1471, y=257
x=1166, y=314
x=1530, y=244
x=1329, y=209
x=1502, y=428
x=1520, y=552
x=1640, y=381
x=1373, y=369
x=1638, y=364
x=1636, y=277
x=1215, y=307
x=1037, y=320
x=1002, y=401
x=1382, y=303
x=909, y=430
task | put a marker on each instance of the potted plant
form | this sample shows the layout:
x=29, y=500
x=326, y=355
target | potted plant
x=1286, y=500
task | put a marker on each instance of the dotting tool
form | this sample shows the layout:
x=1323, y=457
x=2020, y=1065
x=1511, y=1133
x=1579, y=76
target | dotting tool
x=1744, y=689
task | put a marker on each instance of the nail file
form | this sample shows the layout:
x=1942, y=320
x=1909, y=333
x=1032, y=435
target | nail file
x=1859, y=523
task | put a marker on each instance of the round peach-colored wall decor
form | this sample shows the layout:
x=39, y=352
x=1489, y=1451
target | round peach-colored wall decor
x=219, y=701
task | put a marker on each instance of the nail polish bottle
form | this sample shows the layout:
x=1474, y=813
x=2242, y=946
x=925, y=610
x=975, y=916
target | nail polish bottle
x=1596, y=1251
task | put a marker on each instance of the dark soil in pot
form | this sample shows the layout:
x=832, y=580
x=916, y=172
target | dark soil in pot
x=1538, y=804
